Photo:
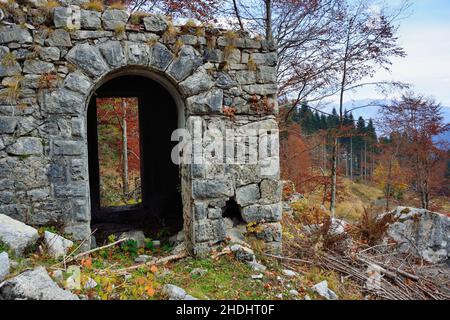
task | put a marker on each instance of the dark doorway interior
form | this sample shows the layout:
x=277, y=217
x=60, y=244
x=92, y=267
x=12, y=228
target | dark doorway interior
x=160, y=211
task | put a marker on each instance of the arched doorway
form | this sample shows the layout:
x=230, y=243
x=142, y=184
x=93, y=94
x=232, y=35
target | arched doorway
x=153, y=202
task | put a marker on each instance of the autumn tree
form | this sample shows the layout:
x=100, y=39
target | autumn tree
x=119, y=146
x=368, y=43
x=389, y=174
x=419, y=120
x=304, y=32
x=202, y=10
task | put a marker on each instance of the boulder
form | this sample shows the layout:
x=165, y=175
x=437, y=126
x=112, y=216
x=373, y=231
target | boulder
x=177, y=238
x=56, y=245
x=257, y=266
x=198, y=272
x=137, y=236
x=235, y=232
x=90, y=284
x=4, y=266
x=34, y=284
x=17, y=235
x=337, y=227
x=143, y=258
x=322, y=289
x=242, y=253
x=423, y=232
x=257, y=276
x=206, y=189
x=290, y=273
x=294, y=293
x=173, y=292
x=59, y=38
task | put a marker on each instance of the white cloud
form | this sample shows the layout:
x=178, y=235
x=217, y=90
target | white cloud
x=427, y=66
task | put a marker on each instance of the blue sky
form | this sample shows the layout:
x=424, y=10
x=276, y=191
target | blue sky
x=425, y=35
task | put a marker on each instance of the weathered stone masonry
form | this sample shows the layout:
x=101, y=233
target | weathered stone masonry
x=49, y=69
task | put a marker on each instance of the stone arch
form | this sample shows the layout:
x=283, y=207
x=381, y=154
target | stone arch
x=161, y=205
x=146, y=72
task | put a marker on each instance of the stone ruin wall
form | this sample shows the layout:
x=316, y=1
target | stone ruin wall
x=52, y=62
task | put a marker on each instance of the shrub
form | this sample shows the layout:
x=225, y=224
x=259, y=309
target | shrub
x=372, y=227
x=130, y=246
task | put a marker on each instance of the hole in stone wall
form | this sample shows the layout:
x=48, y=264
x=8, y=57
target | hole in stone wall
x=233, y=211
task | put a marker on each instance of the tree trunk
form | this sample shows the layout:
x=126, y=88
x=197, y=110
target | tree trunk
x=124, y=150
x=388, y=184
x=333, y=177
x=269, y=33
x=351, y=158
x=238, y=15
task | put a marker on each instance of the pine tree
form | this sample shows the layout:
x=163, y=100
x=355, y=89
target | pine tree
x=333, y=119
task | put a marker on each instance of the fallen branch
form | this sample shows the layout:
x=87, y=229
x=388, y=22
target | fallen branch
x=151, y=263
x=288, y=259
x=78, y=256
x=384, y=268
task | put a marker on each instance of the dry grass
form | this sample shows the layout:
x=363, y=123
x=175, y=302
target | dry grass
x=94, y=5
x=170, y=33
x=137, y=17
x=353, y=197
x=372, y=226
x=119, y=5
x=251, y=65
x=119, y=30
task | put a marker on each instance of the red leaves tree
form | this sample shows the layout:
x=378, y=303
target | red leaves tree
x=203, y=10
x=119, y=143
x=419, y=120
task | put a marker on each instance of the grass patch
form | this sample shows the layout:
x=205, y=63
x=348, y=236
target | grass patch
x=226, y=279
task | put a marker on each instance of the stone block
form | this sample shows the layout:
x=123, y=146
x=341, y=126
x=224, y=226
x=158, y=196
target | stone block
x=247, y=195
x=113, y=19
x=210, y=189
x=26, y=146
x=260, y=213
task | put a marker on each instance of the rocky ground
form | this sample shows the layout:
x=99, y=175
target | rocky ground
x=321, y=260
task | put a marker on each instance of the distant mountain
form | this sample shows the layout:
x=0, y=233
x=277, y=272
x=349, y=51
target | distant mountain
x=373, y=112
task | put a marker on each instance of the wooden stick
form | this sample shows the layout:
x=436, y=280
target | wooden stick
x=288, y=259
x=383, y=266
x=96, y=249
x=151, y=263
